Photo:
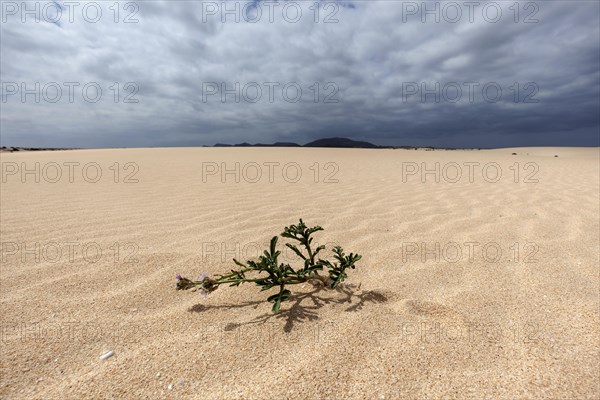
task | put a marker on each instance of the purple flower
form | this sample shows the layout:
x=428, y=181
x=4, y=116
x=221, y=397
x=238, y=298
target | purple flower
x=203, y=292
x=204, y=287
x=178, y=276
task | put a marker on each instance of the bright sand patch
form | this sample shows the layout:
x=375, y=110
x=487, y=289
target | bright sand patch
x=447, y=323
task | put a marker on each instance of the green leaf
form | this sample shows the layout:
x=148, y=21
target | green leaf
x=276, y=306
x=273, y=244
x=283, y=295
x=239, y=263
x=296, y=250
x=318, y=249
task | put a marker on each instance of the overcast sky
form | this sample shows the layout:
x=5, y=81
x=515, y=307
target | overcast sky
x=382, y=71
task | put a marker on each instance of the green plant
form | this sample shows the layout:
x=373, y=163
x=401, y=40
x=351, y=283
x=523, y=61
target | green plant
x=270, y=273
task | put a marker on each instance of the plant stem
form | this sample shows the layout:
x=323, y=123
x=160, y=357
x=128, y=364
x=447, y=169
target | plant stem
x=219, y=282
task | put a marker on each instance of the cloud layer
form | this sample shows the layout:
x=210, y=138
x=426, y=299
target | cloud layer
x=391, y=72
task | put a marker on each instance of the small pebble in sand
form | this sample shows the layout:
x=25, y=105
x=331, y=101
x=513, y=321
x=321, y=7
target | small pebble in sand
x=107, y=355
x=170, y=387
x=158, y=375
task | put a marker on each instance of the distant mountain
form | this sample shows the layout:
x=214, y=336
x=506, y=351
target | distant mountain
x=278, y=144
x=334, y=142
x=12, y=149
x=245, y=144
x=341, y=142
x=327, y=142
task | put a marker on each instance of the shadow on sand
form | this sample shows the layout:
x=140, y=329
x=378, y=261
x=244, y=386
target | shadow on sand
x=304, y=306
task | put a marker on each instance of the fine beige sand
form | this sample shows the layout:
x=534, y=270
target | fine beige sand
x=468, y=288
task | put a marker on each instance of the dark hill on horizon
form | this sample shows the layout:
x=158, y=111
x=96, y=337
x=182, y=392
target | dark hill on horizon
x=338, y=142
x=246, y=144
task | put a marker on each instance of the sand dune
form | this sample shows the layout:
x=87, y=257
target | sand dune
x=472, y=286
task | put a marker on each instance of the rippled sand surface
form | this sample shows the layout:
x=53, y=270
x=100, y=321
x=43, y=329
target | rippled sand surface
x=479, y=278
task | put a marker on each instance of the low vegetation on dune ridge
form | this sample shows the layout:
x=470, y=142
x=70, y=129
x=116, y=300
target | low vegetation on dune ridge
x=269, y=273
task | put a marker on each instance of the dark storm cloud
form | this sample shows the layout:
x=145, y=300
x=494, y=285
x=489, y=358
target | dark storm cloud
x=372, y=55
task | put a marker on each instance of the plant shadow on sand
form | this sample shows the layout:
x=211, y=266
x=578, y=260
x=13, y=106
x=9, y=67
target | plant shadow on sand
x=304, y=306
